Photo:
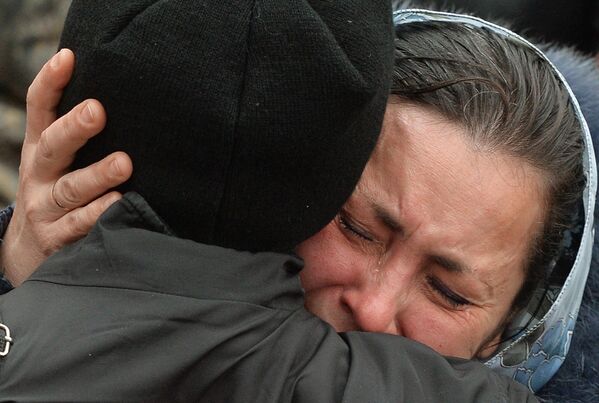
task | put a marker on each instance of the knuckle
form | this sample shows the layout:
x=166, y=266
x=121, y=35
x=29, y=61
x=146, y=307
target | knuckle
x=48, y=244
x=29, y=213
x=66, y=124
x=68, y=192
x=94, y=175
x=72, y=221
x=92, y=213
x=94, y=180
x=29, y=204
x=77, y=222
x=73, y=128
x=44, y=149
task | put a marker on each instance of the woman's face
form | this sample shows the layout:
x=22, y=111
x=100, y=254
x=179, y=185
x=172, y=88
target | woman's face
x=432, y=243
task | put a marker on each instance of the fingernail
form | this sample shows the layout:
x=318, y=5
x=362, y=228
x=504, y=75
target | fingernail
x=87, y=114
x=55, y=61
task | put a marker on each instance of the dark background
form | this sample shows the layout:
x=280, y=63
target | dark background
x=570, y=22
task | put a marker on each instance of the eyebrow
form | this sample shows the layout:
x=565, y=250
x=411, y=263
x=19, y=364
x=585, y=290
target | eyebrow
x=451, y=265
x=457, y=267
x=386, y=217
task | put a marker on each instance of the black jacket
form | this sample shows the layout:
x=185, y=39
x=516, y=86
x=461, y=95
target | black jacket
x=132, y=313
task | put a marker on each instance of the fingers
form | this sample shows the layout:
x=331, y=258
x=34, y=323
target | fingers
x=58, y=143
x=40, y=225
x=45, y=92
x=80, y=187
x=78, y=223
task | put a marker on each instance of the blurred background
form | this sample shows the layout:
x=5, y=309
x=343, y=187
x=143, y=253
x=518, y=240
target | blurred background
x=29, y=33
x=30, y=29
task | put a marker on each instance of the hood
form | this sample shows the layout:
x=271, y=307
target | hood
x=539, y=337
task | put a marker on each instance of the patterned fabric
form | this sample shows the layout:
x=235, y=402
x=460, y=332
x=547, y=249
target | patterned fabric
x=541, y=333
x=5, y=216
x=576, y=380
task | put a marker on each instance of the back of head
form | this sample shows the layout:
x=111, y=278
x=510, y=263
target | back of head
x=248, y=124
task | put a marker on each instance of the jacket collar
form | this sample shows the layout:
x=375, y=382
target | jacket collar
x=132, y=247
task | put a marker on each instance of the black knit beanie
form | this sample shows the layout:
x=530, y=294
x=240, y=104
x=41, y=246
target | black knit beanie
x=249, y=122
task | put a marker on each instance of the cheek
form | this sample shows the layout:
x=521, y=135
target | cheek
x=328, y=260
x=445, y=333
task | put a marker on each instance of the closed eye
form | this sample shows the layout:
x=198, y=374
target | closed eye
x=456, y=301
x=352, y=229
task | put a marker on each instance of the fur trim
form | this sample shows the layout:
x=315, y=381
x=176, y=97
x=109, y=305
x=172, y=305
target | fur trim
x=576, y=380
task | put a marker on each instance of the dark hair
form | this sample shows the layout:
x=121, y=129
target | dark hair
x=509, y=100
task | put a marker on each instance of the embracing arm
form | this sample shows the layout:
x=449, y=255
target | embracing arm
x=53, y=207
x=222, y=326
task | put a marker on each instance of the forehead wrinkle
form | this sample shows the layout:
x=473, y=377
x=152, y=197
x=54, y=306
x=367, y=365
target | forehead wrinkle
x=441, y=179
x=439, y=189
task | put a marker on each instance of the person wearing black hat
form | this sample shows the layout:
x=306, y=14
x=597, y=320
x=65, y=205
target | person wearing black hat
x=228, y=113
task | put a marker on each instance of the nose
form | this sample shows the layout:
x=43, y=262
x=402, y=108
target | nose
x=377, y=305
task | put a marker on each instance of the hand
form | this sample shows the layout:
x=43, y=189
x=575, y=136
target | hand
x=54, y=207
